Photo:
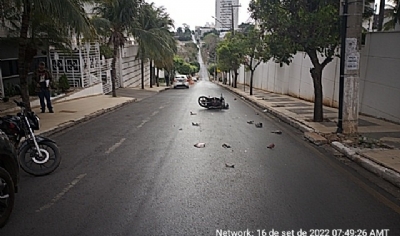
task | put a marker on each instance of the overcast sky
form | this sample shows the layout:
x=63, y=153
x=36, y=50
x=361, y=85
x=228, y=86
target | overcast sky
x=196, y=12
x=199, y=12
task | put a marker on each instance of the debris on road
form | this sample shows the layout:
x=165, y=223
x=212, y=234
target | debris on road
x=192, y=113
x=225, y=145
x=271, y=146
x=265, y=110
x=234, y=98
x=195, y=124
x=277, y=132
x=259, y=125
x=200, y=145
x=229, y=166
x=243, y=98
x=250, y=122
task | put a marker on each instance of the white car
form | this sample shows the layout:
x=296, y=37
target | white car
x=180, y=81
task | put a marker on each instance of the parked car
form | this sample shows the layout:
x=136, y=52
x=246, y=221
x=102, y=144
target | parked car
x=180, y=81
x=9, y=177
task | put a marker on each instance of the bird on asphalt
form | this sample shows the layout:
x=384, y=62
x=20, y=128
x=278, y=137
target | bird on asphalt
x=271, y=146
x=195, y=124
x=229, y=166
x=250, y=122
x=193, y=113
x=259, y=125
x=225, y=145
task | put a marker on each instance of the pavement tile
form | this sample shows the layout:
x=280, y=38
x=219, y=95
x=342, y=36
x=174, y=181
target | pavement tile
x=388, y=158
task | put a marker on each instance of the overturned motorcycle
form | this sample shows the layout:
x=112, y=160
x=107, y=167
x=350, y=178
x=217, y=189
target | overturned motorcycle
x=37, y=155
x=213, y=102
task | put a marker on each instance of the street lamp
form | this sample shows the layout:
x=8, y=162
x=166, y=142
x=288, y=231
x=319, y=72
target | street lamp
x=224, y=25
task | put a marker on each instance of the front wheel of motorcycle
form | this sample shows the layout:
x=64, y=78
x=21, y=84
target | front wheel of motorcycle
x=45, y=164
x=7, y=196
x=203, y=100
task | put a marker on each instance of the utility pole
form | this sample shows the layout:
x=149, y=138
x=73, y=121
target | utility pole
x=350, y=76
x=232, y=6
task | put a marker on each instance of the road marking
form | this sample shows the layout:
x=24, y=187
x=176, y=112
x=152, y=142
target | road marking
x=62, y=193
x=143, y=122
x=113, y=147
x=154, y=113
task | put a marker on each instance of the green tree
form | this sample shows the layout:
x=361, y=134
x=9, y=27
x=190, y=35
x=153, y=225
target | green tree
x=231, y=54
x=209, y=48
x=255, y=50
x=118, y=17
x=311, y=26
x=37, y=23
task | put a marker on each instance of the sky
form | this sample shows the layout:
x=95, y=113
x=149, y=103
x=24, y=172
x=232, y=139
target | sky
x=197, y=12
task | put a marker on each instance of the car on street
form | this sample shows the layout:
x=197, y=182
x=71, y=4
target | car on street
x=9, y=177
x=180, y=81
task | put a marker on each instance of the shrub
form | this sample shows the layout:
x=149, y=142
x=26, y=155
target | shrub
x=63, y=83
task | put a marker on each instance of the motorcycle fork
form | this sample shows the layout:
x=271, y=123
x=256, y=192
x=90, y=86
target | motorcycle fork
x=32, y=136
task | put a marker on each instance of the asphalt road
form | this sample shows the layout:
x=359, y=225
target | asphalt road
x=136, y=172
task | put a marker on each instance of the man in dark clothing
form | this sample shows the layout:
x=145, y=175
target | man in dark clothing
x=43, y=79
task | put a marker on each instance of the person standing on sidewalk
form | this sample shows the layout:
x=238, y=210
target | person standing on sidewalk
x=43, y=81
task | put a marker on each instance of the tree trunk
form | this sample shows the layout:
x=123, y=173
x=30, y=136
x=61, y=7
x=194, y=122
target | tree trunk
x=316, y=74
x=157, y=77
x=113, y=70
x=251, y=82
x=23, y=42
x=151, y=73
x=142, y=71
x=236, y=77
x=166, y=76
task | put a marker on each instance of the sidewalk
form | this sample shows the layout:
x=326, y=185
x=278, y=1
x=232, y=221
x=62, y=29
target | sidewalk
x=377, y=149
x=75, y=111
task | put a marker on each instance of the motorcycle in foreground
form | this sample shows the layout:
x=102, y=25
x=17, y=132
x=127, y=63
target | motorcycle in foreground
x=213, y=102
x=37, y=155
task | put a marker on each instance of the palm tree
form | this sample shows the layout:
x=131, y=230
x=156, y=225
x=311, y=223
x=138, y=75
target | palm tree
x=164, y=58
x=118, y=16
x=36, y=19
x=153, y=35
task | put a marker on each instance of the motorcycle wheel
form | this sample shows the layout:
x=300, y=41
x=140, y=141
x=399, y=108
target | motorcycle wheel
x=203, y=101
x=32, y=164
x=7, y=196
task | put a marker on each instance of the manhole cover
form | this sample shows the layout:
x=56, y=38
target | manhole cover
x=66, y=111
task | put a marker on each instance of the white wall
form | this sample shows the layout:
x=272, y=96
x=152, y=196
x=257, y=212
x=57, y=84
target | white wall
x=295, y=79
x=380, y=72
x=379, y=82
x=130, y=68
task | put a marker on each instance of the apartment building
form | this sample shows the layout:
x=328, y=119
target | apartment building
x=223, y=14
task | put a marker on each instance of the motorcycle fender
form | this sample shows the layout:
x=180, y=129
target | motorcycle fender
x=39, y=139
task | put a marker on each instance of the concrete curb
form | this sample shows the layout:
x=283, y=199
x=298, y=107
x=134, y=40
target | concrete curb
x=71, y=123
x=384, y=172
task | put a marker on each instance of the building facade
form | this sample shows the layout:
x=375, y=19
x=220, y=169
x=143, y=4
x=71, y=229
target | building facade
x=223, y=14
